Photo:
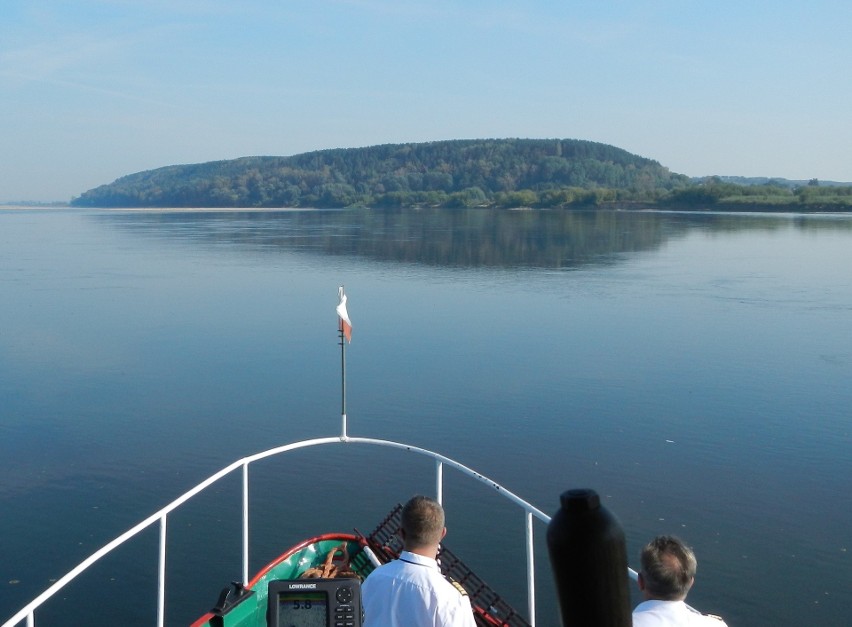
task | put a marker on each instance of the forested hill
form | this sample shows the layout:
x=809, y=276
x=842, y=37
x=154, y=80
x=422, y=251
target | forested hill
x=497, y=172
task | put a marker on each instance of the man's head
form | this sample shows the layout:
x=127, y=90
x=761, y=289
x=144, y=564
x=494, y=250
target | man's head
x=422, y=524
x=668, y=569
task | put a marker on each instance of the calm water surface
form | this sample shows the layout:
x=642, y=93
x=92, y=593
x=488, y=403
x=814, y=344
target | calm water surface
x=694, y=369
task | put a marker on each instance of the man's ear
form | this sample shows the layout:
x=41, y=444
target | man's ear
x=443, y=533
x=641, y=582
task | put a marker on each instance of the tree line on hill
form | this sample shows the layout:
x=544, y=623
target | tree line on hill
x=458, y=173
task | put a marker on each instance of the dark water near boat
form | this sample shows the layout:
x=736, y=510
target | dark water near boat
x=693, y=368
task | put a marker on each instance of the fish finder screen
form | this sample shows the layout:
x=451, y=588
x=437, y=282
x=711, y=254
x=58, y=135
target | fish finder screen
x=302, y=609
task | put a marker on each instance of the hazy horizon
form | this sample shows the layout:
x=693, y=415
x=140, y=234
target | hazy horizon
x=60, y=201
x=55, y=201
x=100, y=89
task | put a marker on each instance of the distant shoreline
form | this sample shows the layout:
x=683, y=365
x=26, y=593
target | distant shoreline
x=35, y=205
x=721, y=207
x=729, y=207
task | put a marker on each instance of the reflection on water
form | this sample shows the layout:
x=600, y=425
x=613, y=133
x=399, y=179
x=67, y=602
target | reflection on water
x=456, y=238
x=434, y=237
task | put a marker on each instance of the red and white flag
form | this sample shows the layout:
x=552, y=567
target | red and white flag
x=343, y=315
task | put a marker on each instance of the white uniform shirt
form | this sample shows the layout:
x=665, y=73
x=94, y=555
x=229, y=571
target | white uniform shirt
x=412, y=592
x=671, y=614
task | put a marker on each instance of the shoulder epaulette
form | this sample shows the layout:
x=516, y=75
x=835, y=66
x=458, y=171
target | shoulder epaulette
x=456, y=585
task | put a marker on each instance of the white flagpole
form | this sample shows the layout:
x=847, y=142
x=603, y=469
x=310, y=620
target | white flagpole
x=343, y=382
x=342, y=372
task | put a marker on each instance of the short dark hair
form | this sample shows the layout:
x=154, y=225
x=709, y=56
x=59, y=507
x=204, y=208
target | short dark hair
x=422, y=522
x=668, y=568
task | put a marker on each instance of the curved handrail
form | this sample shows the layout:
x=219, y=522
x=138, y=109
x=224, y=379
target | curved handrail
x=28, y=611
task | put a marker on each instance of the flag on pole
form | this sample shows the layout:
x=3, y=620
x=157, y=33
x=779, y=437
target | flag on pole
x=343, y=315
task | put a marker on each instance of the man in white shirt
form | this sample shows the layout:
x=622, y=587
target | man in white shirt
x=668, y=572
x=411, y=591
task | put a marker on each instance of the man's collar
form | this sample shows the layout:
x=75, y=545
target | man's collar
x=414, y=558
x=652, y=603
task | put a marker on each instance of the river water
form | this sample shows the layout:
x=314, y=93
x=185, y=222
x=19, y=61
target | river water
x=694, y=369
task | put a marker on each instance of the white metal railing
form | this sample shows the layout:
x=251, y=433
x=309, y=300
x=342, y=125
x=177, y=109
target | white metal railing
x=161, y=517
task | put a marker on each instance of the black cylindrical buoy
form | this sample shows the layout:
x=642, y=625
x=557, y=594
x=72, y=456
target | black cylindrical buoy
x=588, y=556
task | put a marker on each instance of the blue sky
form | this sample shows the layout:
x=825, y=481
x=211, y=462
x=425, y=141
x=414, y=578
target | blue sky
x=92, y=90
